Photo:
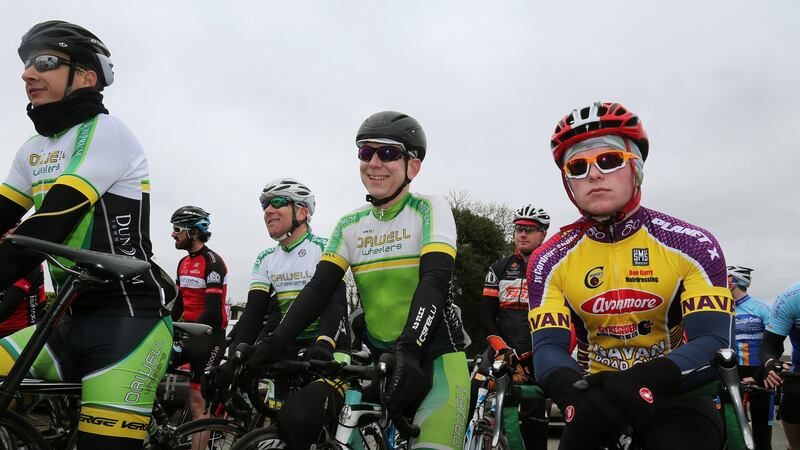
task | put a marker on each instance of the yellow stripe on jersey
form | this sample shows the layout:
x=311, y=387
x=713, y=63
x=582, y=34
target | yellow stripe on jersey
x=145, y=185
x=107, y=422
x=81, y=185
x=545, y=317
x=259, y=287
x=438, y=247
x=407, y=262
x=16, y=196
x=336, y=259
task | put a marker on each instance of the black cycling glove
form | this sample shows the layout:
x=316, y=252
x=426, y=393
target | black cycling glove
x=589, y=418
x=267, y=351
x=322, y=350
x=406, y=382
x=636, y=390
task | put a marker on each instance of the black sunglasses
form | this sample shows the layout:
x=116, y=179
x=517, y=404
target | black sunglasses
x=386, y=153
x=45, y=63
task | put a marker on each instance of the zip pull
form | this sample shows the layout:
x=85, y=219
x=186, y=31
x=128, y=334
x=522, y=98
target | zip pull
x=381, y=210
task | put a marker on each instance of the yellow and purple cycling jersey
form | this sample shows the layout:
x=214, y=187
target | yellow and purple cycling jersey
x=634, y=290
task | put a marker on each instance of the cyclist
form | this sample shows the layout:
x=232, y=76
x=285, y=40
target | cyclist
x=401, y=248
x=752, y=316
x=631, y=280
x=22, y=304
x=87, y=177
x=784, y=319
x=504, y=313
x=203, y=283
x=279, y=273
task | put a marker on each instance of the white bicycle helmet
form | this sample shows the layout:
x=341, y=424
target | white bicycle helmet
x=532, y=213
x=291, y=189
x=741, y=275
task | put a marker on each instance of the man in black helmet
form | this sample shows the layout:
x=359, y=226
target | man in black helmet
x=202, y=281
x=87, y=178
x=401, y=248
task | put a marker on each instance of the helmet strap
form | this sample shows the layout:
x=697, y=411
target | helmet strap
x=295, y=224
x=382, y=201
x=70, y=79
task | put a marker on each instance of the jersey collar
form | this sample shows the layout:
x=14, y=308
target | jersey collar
x=743, y=299
x=294, y=244
x=391, y=212
x=614, y=232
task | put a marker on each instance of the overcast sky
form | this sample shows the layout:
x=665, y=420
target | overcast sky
x=225, y=96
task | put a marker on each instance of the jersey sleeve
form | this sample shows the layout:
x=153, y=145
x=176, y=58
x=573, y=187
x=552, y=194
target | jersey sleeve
x=93, y=167
x=259, y=277
x=216, y=274
x=785, y=311
x=337, y=250
x=438, y=227
x=491, y=285
x=18, y=185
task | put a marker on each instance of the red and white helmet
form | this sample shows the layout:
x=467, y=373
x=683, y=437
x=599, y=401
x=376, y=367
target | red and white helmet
x=599, y=119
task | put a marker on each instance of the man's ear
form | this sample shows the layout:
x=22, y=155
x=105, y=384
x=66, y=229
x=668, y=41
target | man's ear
x=414, y=166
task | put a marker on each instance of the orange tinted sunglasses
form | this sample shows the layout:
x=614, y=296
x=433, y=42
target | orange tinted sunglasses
x=606, y=162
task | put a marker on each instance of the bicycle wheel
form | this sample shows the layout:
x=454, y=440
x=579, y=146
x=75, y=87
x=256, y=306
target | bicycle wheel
x=16, y=434
x=260, y=439
x=483, y=441
x=221, y=433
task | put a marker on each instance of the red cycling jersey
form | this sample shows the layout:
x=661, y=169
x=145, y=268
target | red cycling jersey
x=201, y=274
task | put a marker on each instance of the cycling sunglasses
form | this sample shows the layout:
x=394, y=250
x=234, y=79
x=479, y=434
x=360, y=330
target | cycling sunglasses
x=529, y=228
x=386, y=153
x=176, y=229
x=275, y=202
x=606, y=162
x=46, y=63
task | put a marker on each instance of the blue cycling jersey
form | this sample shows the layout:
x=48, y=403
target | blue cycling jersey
x=784, y=320
x=752, y=317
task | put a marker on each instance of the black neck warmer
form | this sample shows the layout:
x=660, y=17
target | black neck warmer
x=52, y=118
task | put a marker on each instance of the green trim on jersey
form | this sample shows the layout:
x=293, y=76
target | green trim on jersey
x=294, y=245
x=82, y=140
x=336, y=238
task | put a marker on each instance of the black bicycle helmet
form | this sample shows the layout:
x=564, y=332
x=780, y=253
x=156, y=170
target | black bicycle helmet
x=397, y=127
x=80, y=44
x=192, y=217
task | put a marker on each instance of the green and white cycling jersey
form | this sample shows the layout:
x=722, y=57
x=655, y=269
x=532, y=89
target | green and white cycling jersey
x=103, y=160
x=383, y=249
x=286, y=270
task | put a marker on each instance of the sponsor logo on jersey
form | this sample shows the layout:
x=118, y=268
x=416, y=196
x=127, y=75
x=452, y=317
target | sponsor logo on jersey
x=53, y=157
x=594, y=277
x=538, y=318
x=707, y=303
x=290, y=276
x=641, y=276
x=625, y=331
x=379, y=240
x=621, y=301
x=121, y=229
x=640, y=256
x=664, y=225
x=213, y=277
x=623, y=358
x=302, y=252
